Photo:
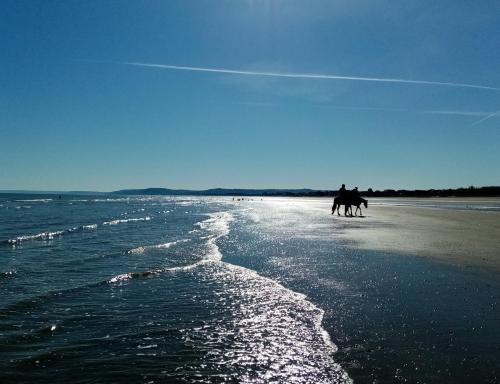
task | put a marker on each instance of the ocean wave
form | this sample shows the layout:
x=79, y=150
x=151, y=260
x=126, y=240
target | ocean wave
x=34, y=200
x=134, y=275
x=38, y=236
x=123, y=200
x=49, y=235
x=217, y=225
x=145, y=274
x=121, y=221
x=157, y=246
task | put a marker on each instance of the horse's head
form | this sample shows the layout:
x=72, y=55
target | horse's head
x=365, y=202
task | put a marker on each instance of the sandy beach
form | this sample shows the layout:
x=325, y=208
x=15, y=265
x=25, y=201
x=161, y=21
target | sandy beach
x=470, y=238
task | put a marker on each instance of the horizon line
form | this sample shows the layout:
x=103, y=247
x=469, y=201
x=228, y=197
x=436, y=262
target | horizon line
x=13, y=191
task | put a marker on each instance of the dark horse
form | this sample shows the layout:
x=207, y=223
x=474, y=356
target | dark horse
x=348, y=202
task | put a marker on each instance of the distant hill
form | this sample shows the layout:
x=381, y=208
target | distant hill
x=215, y=192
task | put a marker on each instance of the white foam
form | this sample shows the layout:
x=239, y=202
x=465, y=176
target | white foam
x=147, y=346
x=49, y=235
x=137, y=250
x=141, y=249
x=34, y=200
x=121, y=221
x=168, y=245
x=296, y=296
x=218, y=226
x=38, y=236
x=122, y=277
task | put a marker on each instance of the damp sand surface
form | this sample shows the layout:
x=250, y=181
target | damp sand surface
x=463, y=234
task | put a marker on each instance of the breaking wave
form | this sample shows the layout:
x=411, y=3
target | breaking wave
x=217, y=225
x=49, y=235
x=121, y=221
x=142, y=249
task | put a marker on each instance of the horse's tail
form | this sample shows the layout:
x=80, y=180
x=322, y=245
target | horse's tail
x=334, y=206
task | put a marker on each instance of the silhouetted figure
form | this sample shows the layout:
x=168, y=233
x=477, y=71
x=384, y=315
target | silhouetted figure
x=342, y=199
x=348, y=199
x=355, y=193
x=342, y=191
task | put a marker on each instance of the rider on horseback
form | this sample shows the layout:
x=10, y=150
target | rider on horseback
x=354, y=193
x=343, y=191
x=348, y=198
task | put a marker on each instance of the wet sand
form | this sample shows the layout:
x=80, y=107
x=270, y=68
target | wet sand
x=468, y=238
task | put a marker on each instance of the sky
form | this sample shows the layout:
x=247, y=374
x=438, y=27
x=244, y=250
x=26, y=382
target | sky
x=105, y=95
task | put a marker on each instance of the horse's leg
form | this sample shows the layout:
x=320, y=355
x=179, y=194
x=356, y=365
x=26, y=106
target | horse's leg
x=347, y=209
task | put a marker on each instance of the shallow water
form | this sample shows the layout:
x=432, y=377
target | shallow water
x=160, y=289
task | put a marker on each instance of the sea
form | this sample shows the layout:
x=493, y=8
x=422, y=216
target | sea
x=161, y=289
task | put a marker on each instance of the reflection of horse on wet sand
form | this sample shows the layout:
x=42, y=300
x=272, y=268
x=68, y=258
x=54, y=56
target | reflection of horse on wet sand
x=348, y=202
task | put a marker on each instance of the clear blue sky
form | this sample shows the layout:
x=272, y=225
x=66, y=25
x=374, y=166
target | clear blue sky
x=74, y=115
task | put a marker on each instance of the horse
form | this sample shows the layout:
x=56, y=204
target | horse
x=357, y=201
x=338, y=201
x=347, y=202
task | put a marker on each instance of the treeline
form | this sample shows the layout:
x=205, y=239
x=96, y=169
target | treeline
x=458, y=192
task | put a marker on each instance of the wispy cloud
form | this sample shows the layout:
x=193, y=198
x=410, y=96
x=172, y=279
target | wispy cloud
x=486, y=118
x=457, y=113
x=303, y=75
x=484, y=115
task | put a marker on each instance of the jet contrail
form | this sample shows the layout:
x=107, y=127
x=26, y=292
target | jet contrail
x=457, y=113
x=323, y=77
x=305, y=75
x=486, y=118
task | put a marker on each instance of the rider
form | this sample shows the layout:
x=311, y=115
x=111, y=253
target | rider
x=355, y=192
x=342, y=191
